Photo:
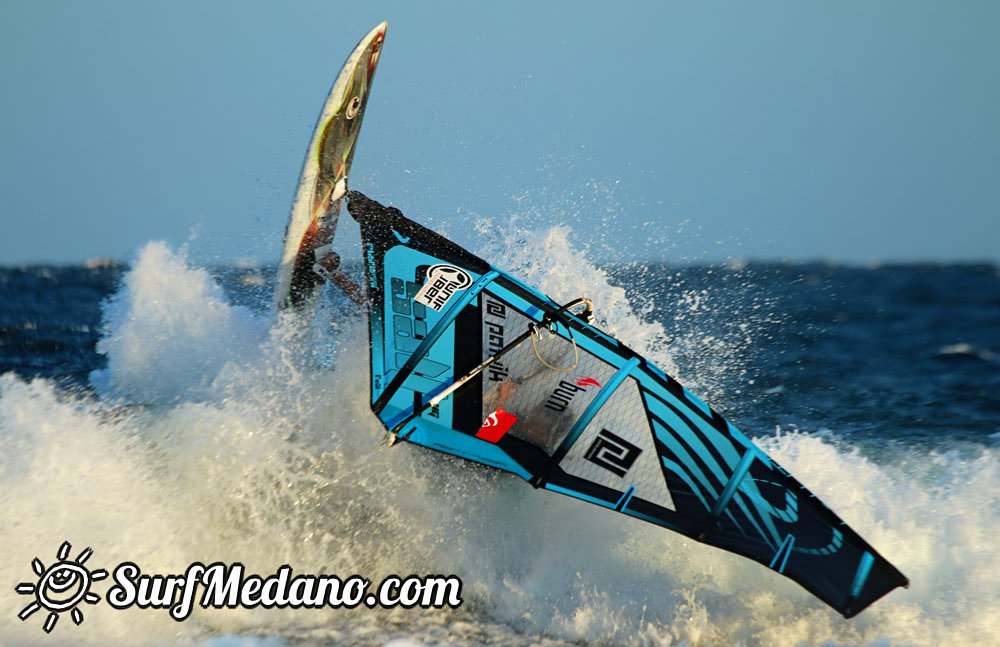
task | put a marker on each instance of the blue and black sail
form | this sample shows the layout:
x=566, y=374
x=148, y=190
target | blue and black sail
x=467, y=360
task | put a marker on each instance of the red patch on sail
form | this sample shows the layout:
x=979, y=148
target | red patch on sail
x=496, y=425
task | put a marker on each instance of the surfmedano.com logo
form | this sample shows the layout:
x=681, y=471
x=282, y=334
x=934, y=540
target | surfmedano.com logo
x=64, y=585
x=61, y=587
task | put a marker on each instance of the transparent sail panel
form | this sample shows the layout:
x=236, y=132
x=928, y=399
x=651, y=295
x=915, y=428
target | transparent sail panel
x=545, y=401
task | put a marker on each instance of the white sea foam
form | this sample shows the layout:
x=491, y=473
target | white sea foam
x=243, y=449
x=170, y=330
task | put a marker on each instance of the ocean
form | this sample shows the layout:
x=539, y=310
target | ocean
x=159, y=414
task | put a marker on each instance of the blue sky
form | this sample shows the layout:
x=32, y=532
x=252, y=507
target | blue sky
x=854, y=131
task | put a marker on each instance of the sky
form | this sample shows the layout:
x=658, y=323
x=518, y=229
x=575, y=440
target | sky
x=854, y=131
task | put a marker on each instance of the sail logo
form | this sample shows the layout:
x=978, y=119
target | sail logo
x=493, y=332
x=443, y=281
x=372, y=268
x=494, y=344
x=613, y=453
x=496, y=425
x=566, y=390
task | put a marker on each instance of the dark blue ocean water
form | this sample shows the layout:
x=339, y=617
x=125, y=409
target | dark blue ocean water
x=159, y=413
x=908, y=353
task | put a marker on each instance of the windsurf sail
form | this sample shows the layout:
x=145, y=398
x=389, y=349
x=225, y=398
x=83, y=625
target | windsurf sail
x=470, y=361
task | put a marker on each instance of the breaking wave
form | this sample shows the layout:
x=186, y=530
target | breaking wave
x=217, y=433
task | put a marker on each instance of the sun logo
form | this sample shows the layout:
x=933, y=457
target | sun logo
x=61, y=587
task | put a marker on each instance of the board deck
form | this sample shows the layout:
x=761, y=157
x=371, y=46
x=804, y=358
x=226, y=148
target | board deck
x=323, y=182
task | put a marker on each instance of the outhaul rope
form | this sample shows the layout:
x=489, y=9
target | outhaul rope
x=576, y=352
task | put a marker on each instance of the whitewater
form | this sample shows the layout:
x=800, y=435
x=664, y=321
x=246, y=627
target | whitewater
x=215, y=431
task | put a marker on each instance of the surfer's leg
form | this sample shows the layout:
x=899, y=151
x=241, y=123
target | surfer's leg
x=329, y=268
x=349, y=287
